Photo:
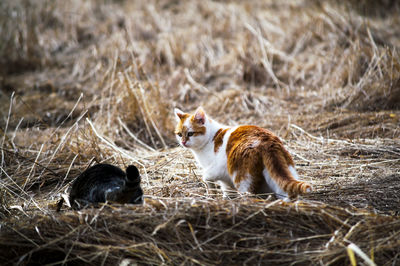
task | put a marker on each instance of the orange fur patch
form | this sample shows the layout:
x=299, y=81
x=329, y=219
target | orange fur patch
x=198, y=129
x=251, y=149
x=179, y=126
x=218, y=138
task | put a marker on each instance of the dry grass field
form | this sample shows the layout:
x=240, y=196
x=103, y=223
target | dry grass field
x=96, y=81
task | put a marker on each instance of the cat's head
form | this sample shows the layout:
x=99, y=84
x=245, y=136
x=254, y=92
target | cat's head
x=133, y=185
x=191, y=130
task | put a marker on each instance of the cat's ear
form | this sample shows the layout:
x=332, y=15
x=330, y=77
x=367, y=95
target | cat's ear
x=179, y=114
x=200, y=116
x=132, y=173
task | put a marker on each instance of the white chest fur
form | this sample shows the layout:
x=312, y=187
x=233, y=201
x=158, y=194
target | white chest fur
x=214, y=163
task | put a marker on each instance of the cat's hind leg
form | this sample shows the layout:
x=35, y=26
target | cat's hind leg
x=280, y=175
x=247, y=183
x=274, y=187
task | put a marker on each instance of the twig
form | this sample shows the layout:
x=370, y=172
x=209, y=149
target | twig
x=133, y=136
x=33, y=166
x=131, y=87
x=23, y=191
x=110, y=144
x=5, y=131
x=229, y=229
x=149, y=116
x=360, y=253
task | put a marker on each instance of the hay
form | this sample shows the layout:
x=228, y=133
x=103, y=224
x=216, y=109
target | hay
x=91, y=82
x=245, y=231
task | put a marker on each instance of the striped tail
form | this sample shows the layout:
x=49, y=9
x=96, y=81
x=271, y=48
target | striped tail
x=295, y=187
x=279, y=164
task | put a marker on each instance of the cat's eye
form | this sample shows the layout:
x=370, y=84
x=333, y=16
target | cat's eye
x=190, y=134
x=179, y=134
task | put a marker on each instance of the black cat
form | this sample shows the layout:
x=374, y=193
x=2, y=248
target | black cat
x=105, y=182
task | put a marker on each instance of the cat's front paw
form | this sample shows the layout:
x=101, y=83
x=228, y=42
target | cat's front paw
x=230, y=194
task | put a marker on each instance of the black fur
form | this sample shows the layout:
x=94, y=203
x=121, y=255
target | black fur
x=105, y=182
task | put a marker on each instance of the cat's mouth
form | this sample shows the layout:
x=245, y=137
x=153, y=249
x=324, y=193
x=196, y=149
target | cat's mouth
x=185, y=144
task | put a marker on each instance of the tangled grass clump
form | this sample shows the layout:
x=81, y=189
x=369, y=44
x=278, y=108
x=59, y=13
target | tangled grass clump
x=205, y=232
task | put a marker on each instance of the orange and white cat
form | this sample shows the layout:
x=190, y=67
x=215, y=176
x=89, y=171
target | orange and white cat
x=243, y=158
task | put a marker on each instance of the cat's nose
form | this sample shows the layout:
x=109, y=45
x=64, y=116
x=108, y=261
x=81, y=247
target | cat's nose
x=184, y=142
